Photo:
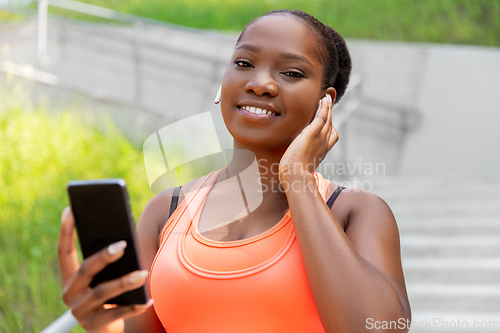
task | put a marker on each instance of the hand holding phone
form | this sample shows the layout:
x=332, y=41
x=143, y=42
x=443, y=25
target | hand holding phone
x=103, y=217
x=89, y=304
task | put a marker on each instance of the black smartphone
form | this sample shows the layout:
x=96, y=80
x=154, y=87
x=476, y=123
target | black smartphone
x=103, y=216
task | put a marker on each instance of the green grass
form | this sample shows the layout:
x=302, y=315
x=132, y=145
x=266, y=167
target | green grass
x=39, y=154
x=439, y=21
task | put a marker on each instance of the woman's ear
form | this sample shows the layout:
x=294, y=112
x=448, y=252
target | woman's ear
x=333, y=94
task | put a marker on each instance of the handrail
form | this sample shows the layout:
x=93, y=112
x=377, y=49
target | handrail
x=63, y=324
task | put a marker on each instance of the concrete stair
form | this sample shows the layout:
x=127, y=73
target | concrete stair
x=450, y=245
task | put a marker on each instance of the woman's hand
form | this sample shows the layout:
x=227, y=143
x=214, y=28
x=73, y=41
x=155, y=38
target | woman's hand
x=86, y=303
x=310, y=147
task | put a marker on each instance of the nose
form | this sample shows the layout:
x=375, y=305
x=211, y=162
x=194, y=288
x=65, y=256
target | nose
x=262, y=83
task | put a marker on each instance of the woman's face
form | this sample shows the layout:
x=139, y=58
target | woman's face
x=274, y=67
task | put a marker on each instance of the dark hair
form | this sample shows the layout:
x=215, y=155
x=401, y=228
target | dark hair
x=333, y=50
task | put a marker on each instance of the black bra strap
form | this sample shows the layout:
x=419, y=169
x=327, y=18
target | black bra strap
x=175, y=199
x=177, y=190
x=334, y=196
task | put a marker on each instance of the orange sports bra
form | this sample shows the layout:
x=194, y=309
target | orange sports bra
x=257, y=284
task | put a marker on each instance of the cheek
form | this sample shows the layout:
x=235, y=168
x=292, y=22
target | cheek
x=228, y=88
x=305, y=103
x=231, y=82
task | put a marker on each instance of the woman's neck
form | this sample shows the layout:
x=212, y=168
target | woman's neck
x=267, y=164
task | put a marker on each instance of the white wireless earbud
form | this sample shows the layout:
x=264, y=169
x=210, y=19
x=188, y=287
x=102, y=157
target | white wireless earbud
x=217, y=97
x=329, y=99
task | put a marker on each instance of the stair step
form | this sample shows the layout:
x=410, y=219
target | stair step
x=449, y=226
x=432, y=181
x=470, y=192
x=432, y=297
x=452, y=270
x=448, y=221
x=450, y=240
x=486, y=208
x=450, y=246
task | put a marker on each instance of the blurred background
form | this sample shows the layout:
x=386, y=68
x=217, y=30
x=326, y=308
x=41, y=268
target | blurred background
x=83, y=84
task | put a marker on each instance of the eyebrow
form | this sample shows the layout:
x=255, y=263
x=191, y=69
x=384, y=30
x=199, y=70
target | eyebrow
x=286, y=55
x=249, y=47
x=294, y=56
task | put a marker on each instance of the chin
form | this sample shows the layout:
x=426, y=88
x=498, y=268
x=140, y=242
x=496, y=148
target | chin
x=266, y=144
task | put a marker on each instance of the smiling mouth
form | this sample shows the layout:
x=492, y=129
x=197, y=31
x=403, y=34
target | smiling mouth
x=255, y=110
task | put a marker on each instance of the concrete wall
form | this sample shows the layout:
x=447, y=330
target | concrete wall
x=460, y=100
x=455, y=88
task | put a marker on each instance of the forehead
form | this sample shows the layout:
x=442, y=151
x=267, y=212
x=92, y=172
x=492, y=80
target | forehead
x=283, y=32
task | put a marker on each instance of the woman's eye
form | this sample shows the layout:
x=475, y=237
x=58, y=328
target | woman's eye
x=242, y=63
x=294, y=74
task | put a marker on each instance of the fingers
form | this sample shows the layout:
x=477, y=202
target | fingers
x=328, y=124
x=87, y=303
x=107, y=290
x=331, y=133
x=319, y=122
x=107, y=315
x=68, y=256
x=80, y=281
x=333, y=138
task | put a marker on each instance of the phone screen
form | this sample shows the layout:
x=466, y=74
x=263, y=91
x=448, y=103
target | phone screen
x=103, y=216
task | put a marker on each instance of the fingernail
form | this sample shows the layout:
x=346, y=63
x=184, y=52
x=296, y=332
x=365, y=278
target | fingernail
x=117, y=247
x=138, y=276
x=65, y=214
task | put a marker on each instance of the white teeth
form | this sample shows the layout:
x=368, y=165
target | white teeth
x=255, y=110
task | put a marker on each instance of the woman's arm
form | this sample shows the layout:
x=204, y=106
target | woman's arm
x=355, y=275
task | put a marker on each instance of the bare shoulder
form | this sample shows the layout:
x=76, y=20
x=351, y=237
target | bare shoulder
x=361, y=210
x=369, y=214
